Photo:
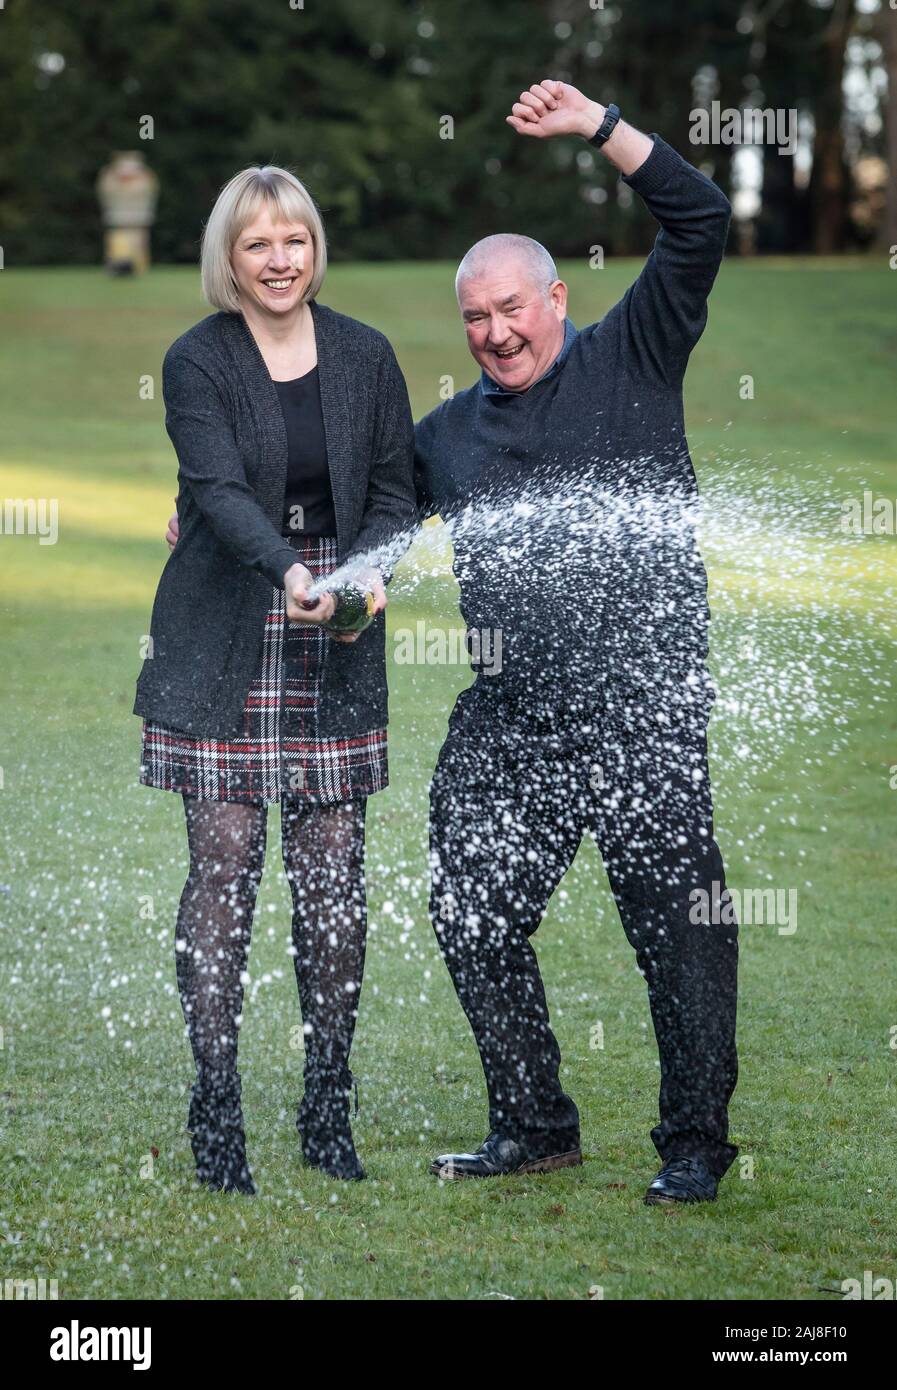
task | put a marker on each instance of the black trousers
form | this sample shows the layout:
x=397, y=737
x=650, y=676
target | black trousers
x=509, y=806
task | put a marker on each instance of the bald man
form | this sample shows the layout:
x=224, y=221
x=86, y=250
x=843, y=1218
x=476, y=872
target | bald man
x=595, y=594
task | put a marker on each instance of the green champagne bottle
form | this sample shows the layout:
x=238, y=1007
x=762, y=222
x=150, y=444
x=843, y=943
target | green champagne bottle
x=354, y=609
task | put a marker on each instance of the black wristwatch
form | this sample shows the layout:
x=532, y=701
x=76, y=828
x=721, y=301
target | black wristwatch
x=607, y=126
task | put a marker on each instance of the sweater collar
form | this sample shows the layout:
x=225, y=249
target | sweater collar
x=490, y=387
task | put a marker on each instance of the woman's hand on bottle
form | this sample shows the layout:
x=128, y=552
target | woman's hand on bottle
x=371, y=579
x=296, y=583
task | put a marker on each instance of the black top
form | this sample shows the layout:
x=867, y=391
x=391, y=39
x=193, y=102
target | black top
x=308, y=501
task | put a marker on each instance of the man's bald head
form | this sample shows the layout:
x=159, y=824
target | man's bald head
x=500, y=253
x=513, y=306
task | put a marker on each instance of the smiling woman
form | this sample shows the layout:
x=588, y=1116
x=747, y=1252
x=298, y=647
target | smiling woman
x=262, y=224
x=246, y=698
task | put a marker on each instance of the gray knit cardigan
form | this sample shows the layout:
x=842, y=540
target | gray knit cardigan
x=224, y=419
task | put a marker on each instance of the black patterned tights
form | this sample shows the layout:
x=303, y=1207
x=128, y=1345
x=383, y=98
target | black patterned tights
x=323, y=855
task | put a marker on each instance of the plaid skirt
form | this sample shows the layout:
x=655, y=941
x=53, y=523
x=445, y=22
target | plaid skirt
x=280, y=755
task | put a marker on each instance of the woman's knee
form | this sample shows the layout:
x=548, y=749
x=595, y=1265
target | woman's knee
x=227, y=875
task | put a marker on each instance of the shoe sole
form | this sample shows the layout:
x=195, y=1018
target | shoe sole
x=573, y=1159
x=658, y=1200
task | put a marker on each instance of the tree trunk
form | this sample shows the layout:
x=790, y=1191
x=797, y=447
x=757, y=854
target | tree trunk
x=829, y=184
x=889, y=44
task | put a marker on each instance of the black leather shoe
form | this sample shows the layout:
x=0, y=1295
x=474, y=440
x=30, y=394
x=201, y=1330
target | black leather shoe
x=682, y=1180
x=499, y=1156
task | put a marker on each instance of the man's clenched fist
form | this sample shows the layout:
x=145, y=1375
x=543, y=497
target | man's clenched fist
x=555, y=108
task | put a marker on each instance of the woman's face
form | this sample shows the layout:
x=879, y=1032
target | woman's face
x=273, y=263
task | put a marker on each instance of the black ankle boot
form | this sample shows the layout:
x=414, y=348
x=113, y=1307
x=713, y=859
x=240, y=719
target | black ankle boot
x=215, y=1124
x=323, y=1125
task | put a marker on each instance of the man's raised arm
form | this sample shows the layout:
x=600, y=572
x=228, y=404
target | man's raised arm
x=664, y=313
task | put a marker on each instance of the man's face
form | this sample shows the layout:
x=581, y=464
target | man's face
x=273, y=263
x=514, y=329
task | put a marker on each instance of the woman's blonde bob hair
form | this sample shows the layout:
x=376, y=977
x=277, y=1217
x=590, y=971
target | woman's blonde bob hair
x=235, y=207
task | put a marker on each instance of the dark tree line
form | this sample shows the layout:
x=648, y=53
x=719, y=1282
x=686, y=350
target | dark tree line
x=353, y=95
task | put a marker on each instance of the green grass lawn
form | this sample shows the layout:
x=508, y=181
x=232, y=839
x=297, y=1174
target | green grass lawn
x=97, y=1185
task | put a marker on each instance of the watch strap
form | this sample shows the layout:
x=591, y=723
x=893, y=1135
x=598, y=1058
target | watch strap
x=607, y=126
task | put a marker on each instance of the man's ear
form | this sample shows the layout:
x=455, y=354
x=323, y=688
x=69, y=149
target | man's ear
x=558, y=296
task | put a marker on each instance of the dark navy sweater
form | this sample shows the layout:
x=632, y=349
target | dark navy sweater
x=599, y=579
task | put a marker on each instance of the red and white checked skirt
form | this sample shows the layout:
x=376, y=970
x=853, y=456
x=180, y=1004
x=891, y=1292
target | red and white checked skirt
x=280, y=755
